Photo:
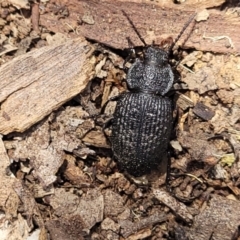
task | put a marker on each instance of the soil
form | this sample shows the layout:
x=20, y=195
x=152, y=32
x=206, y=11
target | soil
x=60, y=63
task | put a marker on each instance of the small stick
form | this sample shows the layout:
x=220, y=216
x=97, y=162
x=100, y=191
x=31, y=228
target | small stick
x=35, y=17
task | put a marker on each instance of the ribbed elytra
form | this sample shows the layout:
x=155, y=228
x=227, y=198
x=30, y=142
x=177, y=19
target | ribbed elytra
x=141, y=131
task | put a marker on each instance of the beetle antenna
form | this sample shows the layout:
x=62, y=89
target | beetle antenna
x=182, y=31
x=135, y=29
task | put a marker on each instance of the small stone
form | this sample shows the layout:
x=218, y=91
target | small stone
x=109, y=224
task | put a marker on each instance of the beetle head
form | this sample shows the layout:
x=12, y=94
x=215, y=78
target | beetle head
x=156, y=56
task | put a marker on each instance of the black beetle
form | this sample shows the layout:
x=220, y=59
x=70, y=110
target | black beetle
x=142, y=122
x=143, y=118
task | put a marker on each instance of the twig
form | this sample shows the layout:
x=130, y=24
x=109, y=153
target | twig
x=219, y=38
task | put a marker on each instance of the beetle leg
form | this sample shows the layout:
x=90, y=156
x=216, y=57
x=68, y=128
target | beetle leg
x=106, y=125
x=168, y=175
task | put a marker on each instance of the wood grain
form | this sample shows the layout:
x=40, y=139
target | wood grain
x=104, y=22
x=36, y=83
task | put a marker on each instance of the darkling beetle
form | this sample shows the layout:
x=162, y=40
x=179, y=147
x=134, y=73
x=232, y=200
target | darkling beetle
x=143, y=119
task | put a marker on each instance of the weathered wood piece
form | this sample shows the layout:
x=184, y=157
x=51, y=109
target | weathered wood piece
x=8, y=198
x=104, y=22
x=36, y=83
x=128, y=228
x=177, y=207
x=219, y=221
x=203, y=111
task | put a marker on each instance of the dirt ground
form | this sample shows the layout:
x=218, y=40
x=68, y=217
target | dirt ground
x=60, y=62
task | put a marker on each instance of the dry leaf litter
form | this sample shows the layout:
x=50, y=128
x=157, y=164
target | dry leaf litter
x=58, y=180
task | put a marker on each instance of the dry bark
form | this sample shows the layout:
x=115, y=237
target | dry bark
x=104, y=22
x=35, y=84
